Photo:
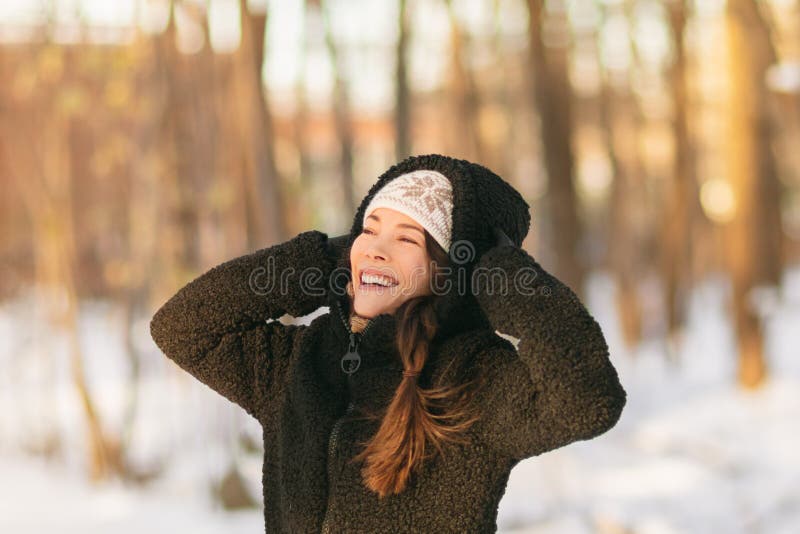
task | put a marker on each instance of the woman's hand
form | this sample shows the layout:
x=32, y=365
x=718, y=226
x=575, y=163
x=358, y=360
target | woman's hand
x=501, y=239
x=559, y=385
x=337, y=245
x=222, y=326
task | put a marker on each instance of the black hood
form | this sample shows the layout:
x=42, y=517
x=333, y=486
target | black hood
x=481, y=200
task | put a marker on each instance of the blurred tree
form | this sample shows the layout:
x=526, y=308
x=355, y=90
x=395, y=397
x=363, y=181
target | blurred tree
x=753, y=235
x=341, y=111
x=626, y=252
x=466, y=100
x=40, y=140
x=264, y=201
x=128, y=277
x=301, y=111
x=681, y=215
x=402, y=110
x=507, y=96
x=182, y=180
x=553, y=94
x=199, y=74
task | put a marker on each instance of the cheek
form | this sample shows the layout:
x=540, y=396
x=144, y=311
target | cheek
x=355, y=251
x=415, y=272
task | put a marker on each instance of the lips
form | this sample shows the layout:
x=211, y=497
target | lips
x=377, y=272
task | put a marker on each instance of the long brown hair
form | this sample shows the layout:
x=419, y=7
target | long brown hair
x=417, y=416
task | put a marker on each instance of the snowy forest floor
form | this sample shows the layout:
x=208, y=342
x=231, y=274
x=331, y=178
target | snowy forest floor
x=692, y=453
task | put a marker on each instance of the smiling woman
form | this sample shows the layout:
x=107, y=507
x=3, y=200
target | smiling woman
x=413, y=422
x=403, y=243
x=390, y=263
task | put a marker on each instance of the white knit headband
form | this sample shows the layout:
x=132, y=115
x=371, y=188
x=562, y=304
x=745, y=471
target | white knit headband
x=424, y=195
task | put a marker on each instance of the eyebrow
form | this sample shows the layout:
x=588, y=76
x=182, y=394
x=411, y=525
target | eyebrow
x=403, y=225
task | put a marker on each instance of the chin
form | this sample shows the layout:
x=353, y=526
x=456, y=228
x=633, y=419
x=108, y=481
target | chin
x=370, y=311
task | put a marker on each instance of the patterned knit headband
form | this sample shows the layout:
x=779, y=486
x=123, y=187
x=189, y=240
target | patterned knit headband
x=424, y=195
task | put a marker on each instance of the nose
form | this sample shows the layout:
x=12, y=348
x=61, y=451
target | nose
x=376, y=249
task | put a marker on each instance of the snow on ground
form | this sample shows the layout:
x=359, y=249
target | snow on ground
x=691, y=453
x=37, y=498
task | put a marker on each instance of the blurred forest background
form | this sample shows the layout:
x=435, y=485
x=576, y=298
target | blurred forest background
x=143, y=142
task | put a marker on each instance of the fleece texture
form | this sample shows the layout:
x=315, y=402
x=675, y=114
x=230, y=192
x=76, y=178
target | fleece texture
x=556, y=386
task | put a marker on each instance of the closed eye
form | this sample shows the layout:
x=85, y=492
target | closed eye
x=370, y=232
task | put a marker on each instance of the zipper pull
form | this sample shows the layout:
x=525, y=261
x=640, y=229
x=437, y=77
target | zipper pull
x=352, y=360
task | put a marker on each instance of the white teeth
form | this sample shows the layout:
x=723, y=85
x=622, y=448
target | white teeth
x=374, y=279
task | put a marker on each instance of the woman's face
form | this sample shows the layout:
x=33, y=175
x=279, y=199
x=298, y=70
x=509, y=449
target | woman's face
x=391, y=246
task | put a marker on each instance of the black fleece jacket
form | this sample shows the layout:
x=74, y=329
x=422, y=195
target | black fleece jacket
x=557, y=386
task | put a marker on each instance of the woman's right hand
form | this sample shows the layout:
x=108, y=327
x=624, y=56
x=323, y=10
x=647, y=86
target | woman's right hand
x=222, y=327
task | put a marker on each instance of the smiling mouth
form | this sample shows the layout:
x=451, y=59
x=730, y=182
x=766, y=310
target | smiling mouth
x=372, y=281
x=375, y=288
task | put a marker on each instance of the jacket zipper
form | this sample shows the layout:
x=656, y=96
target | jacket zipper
x=355, y=337
x=331, y=448
x=355, y=340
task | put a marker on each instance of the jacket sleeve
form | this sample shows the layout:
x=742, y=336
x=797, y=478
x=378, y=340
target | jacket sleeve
x=559, y=386
x=216, y=327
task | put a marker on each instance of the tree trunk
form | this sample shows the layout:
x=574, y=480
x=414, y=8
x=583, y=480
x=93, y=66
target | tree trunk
x=402, y=118
x=49, y=200
x=181, y=191
x=342, y=117
x=300, y=122
x=552, y=94
x=465, y=92
x=506, y=96
x=752, y=250
x=624, y=247
x=681, y=213
x=264, y=198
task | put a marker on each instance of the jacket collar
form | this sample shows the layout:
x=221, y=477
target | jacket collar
x=379, y=371
x=375, y=343
x=455, y=313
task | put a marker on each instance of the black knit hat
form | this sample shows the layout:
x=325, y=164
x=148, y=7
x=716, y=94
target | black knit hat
x=481, y=200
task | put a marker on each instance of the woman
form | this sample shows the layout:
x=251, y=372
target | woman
x=402, y=409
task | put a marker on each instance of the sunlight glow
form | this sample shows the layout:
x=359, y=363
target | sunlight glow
x=190, y=34
x=594, y=174
x=223, y=25
x=718, y=200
